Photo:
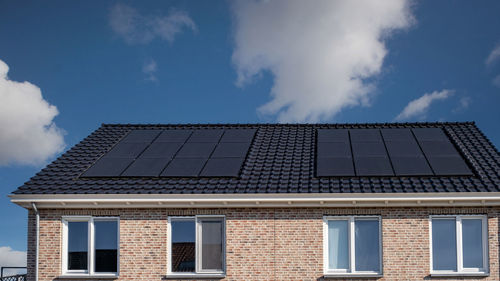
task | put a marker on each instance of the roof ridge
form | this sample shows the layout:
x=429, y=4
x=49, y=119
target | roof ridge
x=293, y=124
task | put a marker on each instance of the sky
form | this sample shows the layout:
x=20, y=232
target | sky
x=68, y=66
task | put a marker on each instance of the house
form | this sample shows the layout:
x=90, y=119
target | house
x=394, y=201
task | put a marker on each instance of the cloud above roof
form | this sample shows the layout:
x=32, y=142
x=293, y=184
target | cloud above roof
x=136, y=28
x=28, y=132
x=417, y=108
x=320, y=56
x=494, y=55
x=9, y=257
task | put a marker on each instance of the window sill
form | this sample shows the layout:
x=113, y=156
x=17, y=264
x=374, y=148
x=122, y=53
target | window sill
x=87, y=276
x=195, y=276
x=458, y=274
x=353, y=275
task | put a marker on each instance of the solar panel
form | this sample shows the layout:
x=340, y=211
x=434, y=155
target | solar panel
x=231, y=149
x=411, y=166
x=161, y=150
x=397, y=135
x=373, y=166
x=146, y=167
x=196, y=150
x=141, y=136
x=365, y=135
x=222, y=167
x=184, y=167
x=430, y=134
x=333, y=135
x=334, y=167
x=127, y=150
x=206, y=135
x=108, y=167
x=438, y=148
x=367, y=149
x=174, y=136
x=403, y=148
x=448, y=165
x=334, y=149
x=238, y=135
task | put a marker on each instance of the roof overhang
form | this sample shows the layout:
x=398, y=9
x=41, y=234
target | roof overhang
x=293, y=200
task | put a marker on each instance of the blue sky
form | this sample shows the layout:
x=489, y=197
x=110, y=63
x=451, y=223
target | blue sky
x=233, y=62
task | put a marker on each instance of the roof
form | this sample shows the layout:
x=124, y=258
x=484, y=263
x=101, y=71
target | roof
x=281, y=159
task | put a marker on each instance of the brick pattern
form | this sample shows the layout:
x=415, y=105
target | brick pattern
x=261, y=244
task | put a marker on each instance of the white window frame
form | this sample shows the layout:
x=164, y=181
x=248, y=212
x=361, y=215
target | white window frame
x=90, y=272
x=458, y=230
x=198, y=244
x=352, y=259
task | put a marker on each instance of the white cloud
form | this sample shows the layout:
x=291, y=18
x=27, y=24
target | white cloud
x=420, y=106
x=135, y=28
x=320, y=53
x=494, y=55
x=28, y=132
x=9, y=257
x=463, y=104
x=149, y=68
x=496, y=81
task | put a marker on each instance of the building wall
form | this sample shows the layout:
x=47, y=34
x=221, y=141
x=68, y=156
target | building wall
x=261, y=244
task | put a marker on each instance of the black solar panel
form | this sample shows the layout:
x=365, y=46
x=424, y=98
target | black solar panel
x=438, y=148
x=334, y=149
x=373, y=166
x=430, y=134
x=333, y=135
x=196, y=150
x=238, y=135
x=141, y=136
x=411, y=166
x=397, y=135
x=127, y=150
x=174, y=136
x=449, y=165
x=403, y=148
x=161, y=150
x=365, y=135
x=108, y=167
x=206, y=136
x=184, y=167
x=335, y=167
x=222, y=167
x=231, y=149
x=146, y=167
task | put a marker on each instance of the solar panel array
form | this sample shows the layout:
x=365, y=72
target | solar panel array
x=176, y=153
x=387, y=152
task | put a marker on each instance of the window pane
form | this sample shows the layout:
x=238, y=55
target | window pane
x=77, y=245
x=338, y=244
x=106, y=246
x=211, y=244
x=367, y=245
x=444, y=244
x=472, y=241
x=183, y=246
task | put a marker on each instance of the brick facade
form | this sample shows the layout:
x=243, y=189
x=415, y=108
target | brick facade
x=261, y=244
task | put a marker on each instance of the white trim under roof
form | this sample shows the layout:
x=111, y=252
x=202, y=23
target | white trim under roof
x=289, y=200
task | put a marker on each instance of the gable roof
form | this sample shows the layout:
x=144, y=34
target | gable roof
x=281, y=159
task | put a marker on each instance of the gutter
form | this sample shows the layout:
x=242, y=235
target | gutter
x=37, y=238
x=295, y=200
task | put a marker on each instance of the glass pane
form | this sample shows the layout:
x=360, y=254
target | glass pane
x=338, y=244
x=472, y=243
x=106, y=246
x=367, y=245
x=77, y=245
x=211, y=244
x=183, y=246
x=444, y=244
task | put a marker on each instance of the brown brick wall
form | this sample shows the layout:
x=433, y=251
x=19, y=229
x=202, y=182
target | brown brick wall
x=261, y=244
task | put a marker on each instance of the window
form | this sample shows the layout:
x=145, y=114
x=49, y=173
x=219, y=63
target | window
x=352, y=245
x=90, y=245
x=196, y=246
x=459, y=245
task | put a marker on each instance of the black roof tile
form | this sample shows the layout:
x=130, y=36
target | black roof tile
x=280, y=160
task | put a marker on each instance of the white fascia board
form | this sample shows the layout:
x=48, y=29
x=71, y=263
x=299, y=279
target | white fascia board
x=108, y=201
